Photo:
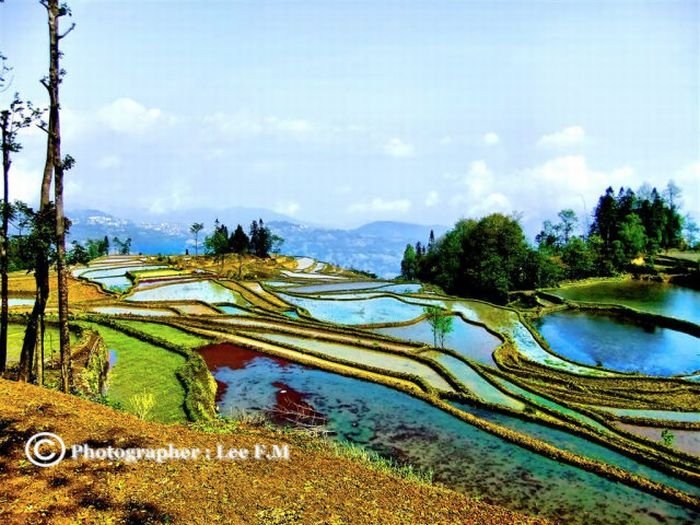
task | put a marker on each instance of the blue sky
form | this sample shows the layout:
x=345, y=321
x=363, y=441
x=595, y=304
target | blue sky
x=340, y=113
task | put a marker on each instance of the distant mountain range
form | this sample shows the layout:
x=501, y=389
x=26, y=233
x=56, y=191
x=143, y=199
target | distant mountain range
x=375, y=247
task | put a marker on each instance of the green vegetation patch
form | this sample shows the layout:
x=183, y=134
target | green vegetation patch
x=143, y=367
x=167, y=332
x=15, y=337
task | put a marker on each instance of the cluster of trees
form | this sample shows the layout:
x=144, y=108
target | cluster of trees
x=92, y=249
x=46, y=244
x=485, y=258
x=624, y=226
x=260, y=241
x=490, y=257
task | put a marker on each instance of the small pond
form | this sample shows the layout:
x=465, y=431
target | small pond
x=207, y=291
x=467, y=339
x=614, y=344
x=648, y=296
x=367, y=311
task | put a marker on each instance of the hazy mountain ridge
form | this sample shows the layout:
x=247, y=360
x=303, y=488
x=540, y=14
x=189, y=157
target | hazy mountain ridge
x=376, y=247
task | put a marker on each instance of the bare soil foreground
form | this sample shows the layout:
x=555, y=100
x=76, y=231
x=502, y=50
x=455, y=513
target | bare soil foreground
x=314, y=486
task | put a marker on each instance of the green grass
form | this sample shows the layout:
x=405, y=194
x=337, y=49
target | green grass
x=142, y=367
x=169, y=333
x=15, y=337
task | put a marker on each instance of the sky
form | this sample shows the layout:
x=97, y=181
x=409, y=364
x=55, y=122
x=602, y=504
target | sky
x=339, y=113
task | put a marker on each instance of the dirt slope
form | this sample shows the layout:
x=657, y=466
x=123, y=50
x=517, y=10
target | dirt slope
x=313, y=486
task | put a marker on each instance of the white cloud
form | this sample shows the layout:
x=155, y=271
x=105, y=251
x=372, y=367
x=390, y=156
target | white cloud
x=565, y=138
x=109, y=162
x=491, y=139
x=125, y=115
x=243, y=125
x=287, y=208
x=25, y=181
x=479, y=169
x=432, y=199
x=380, y=205
x=398, y=148
x=542, y=190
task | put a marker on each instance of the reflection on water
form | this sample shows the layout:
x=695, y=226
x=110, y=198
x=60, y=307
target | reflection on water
x=413, y=431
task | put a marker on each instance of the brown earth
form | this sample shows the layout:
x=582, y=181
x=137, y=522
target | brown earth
x=313, y=486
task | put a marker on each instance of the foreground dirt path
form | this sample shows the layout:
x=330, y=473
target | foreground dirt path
x=314, y=486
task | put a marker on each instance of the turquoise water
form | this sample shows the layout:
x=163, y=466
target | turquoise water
x=529, y=347
x=117, y=283
x=367, y=311
x=474, y=382
x=597, y=340
x=546, y=403
x=207, y=291
x=461, y=456
x=660, y=298
x=233, y=310
x=382, y=360
x=468, y=340
x=340, y=287
x=92, y=273
x=666, y=415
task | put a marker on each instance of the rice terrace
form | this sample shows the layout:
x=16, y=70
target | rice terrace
x=513, y=368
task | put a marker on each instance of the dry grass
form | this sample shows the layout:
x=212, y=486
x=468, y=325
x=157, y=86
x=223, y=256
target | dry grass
x=315, y=485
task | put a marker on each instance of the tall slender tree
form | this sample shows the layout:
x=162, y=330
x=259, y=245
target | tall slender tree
x=54, y=167
x=194, y=230
x=18, y=116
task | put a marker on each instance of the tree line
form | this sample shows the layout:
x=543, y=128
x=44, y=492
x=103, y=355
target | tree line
x=490, y=257
x=259, y=241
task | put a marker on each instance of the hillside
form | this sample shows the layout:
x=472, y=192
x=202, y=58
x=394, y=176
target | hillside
x=375, y=247
x=314, y=486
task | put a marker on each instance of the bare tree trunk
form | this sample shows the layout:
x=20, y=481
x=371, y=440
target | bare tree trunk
x=33, y=336
x=54, y=13
x=4, y=308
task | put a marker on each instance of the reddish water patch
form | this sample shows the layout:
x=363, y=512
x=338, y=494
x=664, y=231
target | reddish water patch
x=290, y=407
x=227, y=355
x=235, y=357
x=221, y=389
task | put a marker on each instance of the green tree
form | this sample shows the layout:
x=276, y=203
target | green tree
x=667, y=437
x=632, y=236
x=239, y=241
x=217, y=244
x=441, y=324
x=605, y=218
x=568, y=222
x=409, y=263
x=194, y=230
x=123, y=247
x=579, y=259
x=78, y=254
x=19, y=115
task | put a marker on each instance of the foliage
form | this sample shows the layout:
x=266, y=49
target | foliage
x=261, y=241
x=123, y=247
x=441, y=323
x=667, y=437
x=485, y=258
x=142, y=404
x=409, y=263
x=194, y=230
